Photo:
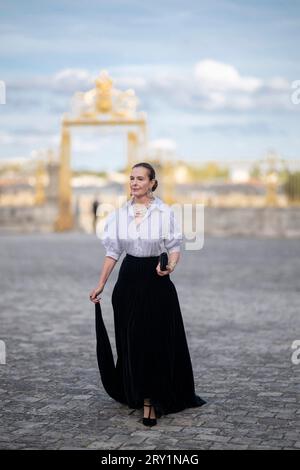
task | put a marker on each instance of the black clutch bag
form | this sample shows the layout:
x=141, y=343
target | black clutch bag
x=163, y=260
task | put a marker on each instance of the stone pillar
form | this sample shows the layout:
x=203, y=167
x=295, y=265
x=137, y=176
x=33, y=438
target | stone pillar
x=65, y=219
x=39, y=183
x=52, y=189
x=168, y=183
x=132, y=147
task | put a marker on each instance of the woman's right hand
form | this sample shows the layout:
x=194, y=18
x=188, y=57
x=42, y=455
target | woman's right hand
x=94, y=293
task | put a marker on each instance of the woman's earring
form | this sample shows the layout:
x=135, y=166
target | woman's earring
x=150, y=193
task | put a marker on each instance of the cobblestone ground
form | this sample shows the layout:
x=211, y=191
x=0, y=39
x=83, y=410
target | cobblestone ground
x=240, y=303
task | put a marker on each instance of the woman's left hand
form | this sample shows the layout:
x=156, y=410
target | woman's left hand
x=163, y=273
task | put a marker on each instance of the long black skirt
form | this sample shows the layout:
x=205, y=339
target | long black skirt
x=153, y=359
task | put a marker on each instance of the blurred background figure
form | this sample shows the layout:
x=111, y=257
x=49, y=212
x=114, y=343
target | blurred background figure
x=95, y=206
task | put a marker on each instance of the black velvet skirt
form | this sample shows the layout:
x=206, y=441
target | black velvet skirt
x=153, y=359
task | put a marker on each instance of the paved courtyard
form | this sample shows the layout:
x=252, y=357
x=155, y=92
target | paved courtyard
x=240, y=301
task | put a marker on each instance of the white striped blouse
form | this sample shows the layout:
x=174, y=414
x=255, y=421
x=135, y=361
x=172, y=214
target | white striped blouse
x=158, y=231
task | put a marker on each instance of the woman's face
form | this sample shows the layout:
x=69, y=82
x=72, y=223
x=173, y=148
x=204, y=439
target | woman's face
x=139, y=181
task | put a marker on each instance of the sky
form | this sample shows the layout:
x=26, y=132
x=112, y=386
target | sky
x=214, y=77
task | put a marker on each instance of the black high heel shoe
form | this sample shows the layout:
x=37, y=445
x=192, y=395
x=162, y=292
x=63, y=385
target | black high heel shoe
x=149, y=421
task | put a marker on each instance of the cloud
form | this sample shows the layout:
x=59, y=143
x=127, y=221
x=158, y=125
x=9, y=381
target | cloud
x=72, y=80
x=208, y=86
x=163, y=144
x=236, y=129
x=218, y=76
x=278, y=83
x=28, y=139
x=65, y=80
x=217, y=86
x=138, y=83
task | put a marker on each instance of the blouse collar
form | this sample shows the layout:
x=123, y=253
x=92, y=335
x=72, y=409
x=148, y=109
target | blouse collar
x=156, y=203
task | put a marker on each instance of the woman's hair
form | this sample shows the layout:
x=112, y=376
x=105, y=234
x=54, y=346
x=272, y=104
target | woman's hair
x=151, y=172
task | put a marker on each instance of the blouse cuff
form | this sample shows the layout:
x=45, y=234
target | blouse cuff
x=174, y=249
x=112, y=254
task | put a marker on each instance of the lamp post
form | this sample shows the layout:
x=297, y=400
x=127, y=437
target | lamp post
x=270, y=168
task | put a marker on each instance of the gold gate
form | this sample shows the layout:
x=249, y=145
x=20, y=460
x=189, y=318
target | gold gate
x=103, y=105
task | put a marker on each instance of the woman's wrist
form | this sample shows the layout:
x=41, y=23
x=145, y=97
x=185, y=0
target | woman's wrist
x=172, y=265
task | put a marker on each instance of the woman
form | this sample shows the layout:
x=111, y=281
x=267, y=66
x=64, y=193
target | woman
x=153, y=367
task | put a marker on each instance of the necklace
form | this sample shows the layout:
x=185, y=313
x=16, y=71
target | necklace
x=141, y=209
